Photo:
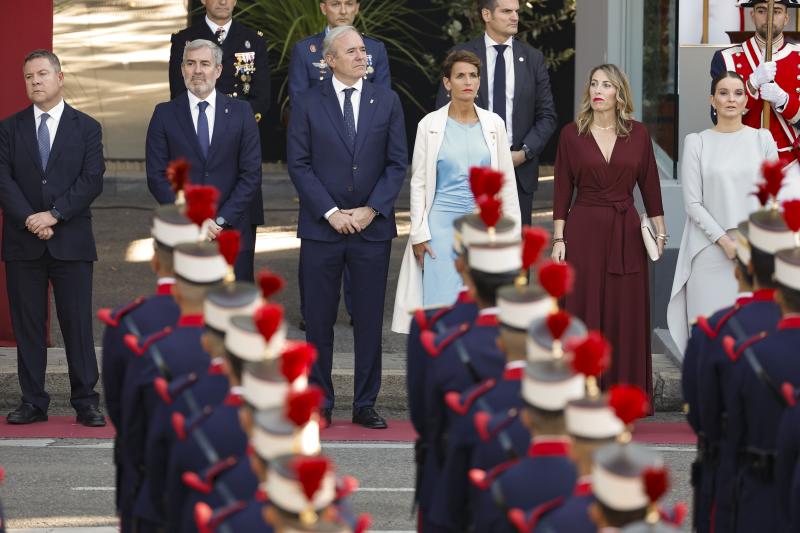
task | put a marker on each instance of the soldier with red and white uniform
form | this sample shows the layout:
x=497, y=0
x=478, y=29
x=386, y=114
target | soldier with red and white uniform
x=776, y=82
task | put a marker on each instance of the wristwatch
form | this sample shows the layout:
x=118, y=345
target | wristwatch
x=221, y=222
x=528, y=153
x=56, y=214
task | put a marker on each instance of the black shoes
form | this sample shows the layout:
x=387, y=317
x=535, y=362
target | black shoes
x=26, y=413
x=91, y=417
x=326, y=414
x=369, y=418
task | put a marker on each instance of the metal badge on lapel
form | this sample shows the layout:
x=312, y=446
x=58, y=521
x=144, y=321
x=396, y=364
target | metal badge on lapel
x=247, y=44
x=312, y=48
x=521, y=59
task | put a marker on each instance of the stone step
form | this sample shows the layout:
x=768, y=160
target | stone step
x=392, y=400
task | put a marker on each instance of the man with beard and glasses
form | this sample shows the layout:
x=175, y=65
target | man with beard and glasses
x=218, y=136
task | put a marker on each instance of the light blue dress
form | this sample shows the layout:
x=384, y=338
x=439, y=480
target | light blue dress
x=463, y=147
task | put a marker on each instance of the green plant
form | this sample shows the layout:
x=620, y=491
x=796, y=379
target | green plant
x=537, y=20
x=285, y=22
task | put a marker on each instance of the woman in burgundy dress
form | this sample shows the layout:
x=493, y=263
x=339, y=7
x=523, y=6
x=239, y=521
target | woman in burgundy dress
x=604, y=154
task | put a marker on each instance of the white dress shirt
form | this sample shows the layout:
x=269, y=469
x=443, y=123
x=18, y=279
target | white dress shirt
x=491, y=60
x=214, y=26
x=355, y=100
x=52, y=122
x=195, y=110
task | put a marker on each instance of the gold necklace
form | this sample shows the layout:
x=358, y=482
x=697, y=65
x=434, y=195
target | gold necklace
x=602, y=128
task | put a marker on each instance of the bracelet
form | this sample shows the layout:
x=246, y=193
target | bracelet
x=560, y=239
x=663, y=236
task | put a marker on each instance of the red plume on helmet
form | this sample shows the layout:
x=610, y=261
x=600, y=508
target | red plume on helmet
x=557, y=323
x=592, y=356
x=201, y=202
x=310, y=472
x=791, y=214
x=534, y=241
x=490, y=210
x=178, y=173
x=629, y=403
x=301, y=405
x=296, y=360
x=761, y=193
x=772, y=171
x=485, y=181
x=228, y=241
x=556, y=278
x=268, y=319
x=656, y=482
x=270, y=283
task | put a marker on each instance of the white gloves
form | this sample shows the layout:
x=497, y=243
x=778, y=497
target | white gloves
x=764, y=73
x=772, y=92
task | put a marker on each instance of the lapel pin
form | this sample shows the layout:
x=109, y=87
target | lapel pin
x=371, y=100
x=521, y=59
x=226, y=110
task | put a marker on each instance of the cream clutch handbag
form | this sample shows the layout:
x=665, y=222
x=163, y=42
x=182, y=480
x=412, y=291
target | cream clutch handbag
x=649, y=238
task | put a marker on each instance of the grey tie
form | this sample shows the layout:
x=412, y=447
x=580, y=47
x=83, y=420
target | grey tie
x=43, y=136
x=349, y=116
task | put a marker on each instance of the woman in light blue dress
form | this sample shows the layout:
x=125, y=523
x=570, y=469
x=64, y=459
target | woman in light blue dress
x=463, y=147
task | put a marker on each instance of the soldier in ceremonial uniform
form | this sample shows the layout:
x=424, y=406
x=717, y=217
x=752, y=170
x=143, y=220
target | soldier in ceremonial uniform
x=706, y=363
x=237, y=516
x=773, y=81
x=307, y=67
x=245, y=65
x=787, y=479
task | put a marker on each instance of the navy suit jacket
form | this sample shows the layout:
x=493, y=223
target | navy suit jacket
x=534, y=117
x=70, y=183
x=234, y=156
x=306, y=67
x=327, y=172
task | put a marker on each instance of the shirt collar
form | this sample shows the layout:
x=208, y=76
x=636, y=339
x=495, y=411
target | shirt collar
x=338, y=86
x=55, y=113
x=194, y=100
x=491, y=42
x=213, y=25
x=488, y=311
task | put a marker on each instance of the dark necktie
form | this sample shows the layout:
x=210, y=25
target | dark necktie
x=43, y=136
x=349, y=116
x=499, y=86
x=220, y=34
x=202, y=128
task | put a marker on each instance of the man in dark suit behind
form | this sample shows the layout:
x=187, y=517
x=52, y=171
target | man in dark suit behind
x=51, y=170
x=218, y=136
x=347, y=157
x=245, y=65
x=518, y=71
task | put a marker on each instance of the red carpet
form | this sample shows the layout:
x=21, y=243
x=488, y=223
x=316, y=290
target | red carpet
x=64, y=427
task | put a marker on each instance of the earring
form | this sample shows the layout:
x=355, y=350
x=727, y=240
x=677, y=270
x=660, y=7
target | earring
x=714, y=112
x=448, y=95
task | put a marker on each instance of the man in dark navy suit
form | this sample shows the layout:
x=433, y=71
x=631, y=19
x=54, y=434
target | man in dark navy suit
x=518, y=72
x=219, y=137
x=347, y=157
x=245, y=65
x=51, y=170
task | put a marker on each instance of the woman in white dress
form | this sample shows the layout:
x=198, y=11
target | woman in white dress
x=719, y=170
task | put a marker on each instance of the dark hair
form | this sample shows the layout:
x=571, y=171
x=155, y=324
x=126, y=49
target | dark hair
x=459, y=56
x=486, y=4
x=487, y=284
x=791, y=298
x=763, y=268
x=236, y=364
x=722, y=76
x=621, y=518
x=742, y=268
x=47, y=54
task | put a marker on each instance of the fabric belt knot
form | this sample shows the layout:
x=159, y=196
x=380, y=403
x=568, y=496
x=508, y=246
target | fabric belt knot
x=621, y=257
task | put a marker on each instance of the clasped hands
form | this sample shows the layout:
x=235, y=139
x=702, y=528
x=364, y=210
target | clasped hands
x=762, y=80
x=349, y=221
x=41, y=224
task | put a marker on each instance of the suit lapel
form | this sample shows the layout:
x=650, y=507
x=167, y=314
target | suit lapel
x=221, y=119
x=64, y=125
x=27, y=129
x=180, y=106
x=331, y=104
x=520, y=76
x=483, y=91
x=366, y=111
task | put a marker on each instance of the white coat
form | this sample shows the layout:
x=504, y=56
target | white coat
x=430, y=135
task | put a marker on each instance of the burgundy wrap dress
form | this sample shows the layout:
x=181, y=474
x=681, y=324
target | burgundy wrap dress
x=604, y=243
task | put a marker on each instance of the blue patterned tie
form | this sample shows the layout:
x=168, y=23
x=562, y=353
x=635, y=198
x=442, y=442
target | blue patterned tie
x=202, y=128
x=349, y=117
x=499, y=86
x=43, y=136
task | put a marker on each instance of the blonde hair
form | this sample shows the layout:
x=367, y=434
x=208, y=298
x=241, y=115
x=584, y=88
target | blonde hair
x=624, y=107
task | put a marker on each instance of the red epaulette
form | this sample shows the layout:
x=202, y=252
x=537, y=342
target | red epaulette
x=734, y=353
x=483, y=424
x=527, y=524
x=789, y=394
x=205, y=484
x=169, y=390
x=712, y=333
x=428, y=339
x=425, y=323
x=132, y=341
x=208, y=522
x=453, y=399
x=111, y=319
x=345, y=486
x=182, y=429
x=483, y=479
x=676, y=515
